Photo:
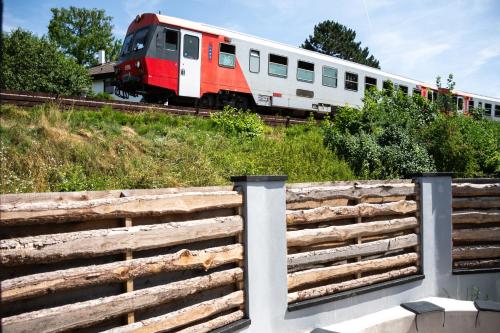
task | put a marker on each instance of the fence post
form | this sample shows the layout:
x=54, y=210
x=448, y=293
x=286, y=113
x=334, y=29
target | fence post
x=264, y=212
x=435, y=213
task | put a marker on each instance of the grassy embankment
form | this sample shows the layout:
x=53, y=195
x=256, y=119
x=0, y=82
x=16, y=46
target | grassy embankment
x=44, y=149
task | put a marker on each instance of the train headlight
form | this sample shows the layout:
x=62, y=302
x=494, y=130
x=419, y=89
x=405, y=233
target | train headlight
x=138, y=64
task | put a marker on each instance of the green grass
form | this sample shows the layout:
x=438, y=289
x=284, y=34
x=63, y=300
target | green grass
x=44, y=149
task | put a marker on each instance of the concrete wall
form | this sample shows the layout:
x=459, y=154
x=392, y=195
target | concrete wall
x=267, y=269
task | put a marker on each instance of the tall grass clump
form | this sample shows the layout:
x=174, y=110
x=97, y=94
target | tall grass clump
x=46, y=149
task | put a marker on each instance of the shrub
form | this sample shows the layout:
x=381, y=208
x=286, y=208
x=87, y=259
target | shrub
x=239, y=122
x=30, y=63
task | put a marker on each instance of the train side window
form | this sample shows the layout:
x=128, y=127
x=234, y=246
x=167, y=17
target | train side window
x=370, y=83
x=417, y=91
x=305, y=71
x=387, y=85
x=191, y=47
x=480, y=105
x=227, y=55
x=278, y=65
x=171, y=39
x=254, y=61
x=351, y=81
x=487, y=109
x=471, y=104
x=497, y=110
x=330, y=76
x=404, y=89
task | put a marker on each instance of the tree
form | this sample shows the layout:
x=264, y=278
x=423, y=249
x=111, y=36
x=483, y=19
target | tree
x=31, y=63
x=82, y=32
x=335, y=39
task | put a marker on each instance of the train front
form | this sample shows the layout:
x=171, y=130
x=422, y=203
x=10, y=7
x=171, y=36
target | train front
x=144, y=67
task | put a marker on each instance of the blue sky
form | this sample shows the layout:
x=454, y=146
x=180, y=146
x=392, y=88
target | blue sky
x=418, y=39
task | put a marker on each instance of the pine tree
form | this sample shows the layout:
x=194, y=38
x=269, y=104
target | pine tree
x=335, y=39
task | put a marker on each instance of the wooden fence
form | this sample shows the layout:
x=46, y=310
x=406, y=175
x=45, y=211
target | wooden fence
x=123, y=261
x=347, y=235
x=476, y=224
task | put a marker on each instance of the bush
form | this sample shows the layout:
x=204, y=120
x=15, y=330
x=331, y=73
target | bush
x=238, y=122
x=380, y=140
x=394, y=135
x=464, y=145
x=30, y=63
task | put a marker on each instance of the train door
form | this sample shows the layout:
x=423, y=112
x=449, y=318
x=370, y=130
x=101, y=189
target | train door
x=460, y=104
x=190, y=64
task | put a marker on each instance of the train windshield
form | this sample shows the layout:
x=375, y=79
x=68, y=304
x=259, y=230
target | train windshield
x=126, y=44
x=135, y=41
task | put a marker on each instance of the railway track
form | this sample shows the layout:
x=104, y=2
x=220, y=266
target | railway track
x=28, y=99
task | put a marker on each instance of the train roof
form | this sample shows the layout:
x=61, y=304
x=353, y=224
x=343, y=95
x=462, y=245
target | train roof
x=203, y=27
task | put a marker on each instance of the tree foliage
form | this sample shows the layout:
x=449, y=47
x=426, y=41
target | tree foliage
x=335, y=39
x=394, y=135
x=31, y=63
x=82, y=32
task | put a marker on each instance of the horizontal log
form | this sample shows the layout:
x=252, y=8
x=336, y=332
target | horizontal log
x=87, y=313
x=480, y=263
x=183, y=316
x=146, y=205
x=299, y=279
x=477, y=234
x=476, y=202
x=344, y=232
x=351, y=251
x=473, y=190
x=19, y=198
x=315, y=204
x=351, y=284
x=49, y=248
x=354, y=191
x=322, y=214
x=121, y=271
x=213, y=324
x=476, y=252
x=476, y=216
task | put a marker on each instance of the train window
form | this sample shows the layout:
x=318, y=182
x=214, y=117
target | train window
x=329, y=76
x=226, y=55
x=351, y=81
x=497, y=110
x=404, y=89
x=471, y=104
x=417, y=91
x=387, y=85
x=370, y=83
x=305, y=71
x=480, y=105
x=278, y=65
x=191, y=47
x=126, y=44
x=254, y=61
x=487, y=109
x=460, y=104
x=140, y=39
x=171, y=39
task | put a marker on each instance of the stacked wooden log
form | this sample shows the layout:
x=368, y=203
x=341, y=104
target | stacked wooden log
x=476, y=224
x=123, y=261
x=346, y=235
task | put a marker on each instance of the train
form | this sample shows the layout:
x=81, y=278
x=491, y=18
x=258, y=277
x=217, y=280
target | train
x=171, y=60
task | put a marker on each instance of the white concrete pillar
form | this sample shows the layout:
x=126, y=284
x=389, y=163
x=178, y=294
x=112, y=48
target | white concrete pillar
x=265, y=251
x=435, y=210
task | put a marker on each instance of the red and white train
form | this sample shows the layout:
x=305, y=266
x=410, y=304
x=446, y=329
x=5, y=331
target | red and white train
x=168, y=59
